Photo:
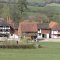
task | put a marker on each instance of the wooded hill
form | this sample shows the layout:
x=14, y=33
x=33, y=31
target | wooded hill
x=47, y=10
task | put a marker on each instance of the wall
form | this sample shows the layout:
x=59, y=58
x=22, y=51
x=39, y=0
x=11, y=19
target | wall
x=47, y=36
x=54, y=34
x=41, y=32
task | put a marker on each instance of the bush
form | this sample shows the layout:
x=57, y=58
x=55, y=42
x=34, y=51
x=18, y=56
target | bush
x=25, y=46
x=23, y=43
x=13, y=44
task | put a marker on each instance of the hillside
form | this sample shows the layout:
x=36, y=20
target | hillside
x=47, y=9
x=51, y=10
x=53, y=4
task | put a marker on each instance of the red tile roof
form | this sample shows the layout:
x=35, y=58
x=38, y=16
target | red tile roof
x=28, y=26
x=53, y=24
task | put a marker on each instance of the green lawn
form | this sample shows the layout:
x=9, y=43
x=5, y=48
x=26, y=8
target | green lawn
x=50, y=52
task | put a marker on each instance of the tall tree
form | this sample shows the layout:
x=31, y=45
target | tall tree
x=18, y=9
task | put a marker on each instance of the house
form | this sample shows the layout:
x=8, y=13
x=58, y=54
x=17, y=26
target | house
x=12, y=23
x=8, y=27
x=28, y=29
x=55, y=33
x=44, y=31
x=55, y=29
x=53, y=24
x=5, y=29
x=13, y=28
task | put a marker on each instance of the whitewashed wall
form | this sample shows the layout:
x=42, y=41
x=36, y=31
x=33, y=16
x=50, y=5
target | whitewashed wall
x=47, y=35
x=39, y=31
x=14, y=37
x=52, y=34
x=40, y=36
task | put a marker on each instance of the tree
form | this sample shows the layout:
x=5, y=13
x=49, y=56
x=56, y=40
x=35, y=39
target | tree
x=18, y=10
x=6, y=10
x=42, y=18
x=1, y=8
x=56, y=18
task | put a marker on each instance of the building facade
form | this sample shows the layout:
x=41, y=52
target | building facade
x=5, y=29
x=44, y=31
x=28, y=29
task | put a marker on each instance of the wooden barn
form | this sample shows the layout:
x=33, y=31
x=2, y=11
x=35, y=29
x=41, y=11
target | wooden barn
x=28, y=29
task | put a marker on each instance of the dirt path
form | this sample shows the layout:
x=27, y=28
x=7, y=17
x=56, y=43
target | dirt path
x=50, y=40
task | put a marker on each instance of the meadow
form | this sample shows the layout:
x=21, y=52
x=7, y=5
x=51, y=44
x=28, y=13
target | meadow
x=50, y=51
x=36, y=0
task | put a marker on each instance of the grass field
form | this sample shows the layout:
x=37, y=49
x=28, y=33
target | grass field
x=37, y=0
x=51, y=52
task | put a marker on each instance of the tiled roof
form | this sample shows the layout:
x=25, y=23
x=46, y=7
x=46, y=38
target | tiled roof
x=56, y=27
x=3, y=23
x=28, y=26
x=43, y=26
x=53, y=24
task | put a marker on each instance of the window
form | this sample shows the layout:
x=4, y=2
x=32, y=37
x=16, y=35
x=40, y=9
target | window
x=39, y=33
x=6, y=30
x=1, y=26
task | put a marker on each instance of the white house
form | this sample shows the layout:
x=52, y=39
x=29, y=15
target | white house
x=4, y=29
x=44, y=31
x=55, y=32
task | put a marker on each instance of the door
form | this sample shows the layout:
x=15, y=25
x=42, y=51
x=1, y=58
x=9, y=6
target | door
x=44, y=36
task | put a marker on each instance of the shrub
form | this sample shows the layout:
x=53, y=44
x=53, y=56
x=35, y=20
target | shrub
x=23, y=43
